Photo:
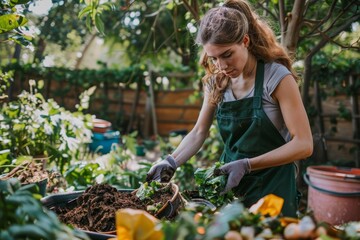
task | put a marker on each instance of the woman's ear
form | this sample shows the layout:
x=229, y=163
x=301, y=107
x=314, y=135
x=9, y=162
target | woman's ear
x=246, y=40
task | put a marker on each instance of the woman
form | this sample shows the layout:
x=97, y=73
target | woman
x=251, y=88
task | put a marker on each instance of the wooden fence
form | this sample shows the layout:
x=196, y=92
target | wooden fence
x=127, y=109
x=161, y=112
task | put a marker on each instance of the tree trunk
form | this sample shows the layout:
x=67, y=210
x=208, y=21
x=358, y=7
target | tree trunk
x=294, y=23
x=87, y=46
x=17, y=52
x=39, y=52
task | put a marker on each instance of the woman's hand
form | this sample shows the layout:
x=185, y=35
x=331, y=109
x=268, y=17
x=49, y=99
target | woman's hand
x=235, y=171
x=162, y=171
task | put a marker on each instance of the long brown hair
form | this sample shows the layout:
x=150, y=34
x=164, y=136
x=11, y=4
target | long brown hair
x=228, y=24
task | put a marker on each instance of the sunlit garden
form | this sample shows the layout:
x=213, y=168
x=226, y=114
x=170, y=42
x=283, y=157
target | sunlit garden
x=94, y=93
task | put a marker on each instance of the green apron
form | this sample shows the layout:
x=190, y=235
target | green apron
x=248, y=132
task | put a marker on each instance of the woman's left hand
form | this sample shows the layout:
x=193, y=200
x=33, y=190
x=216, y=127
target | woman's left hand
x=235, y=171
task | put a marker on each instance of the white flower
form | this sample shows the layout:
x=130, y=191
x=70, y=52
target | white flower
x=72, y=143
x=68, y=142
x=55, y=119
x=48, y=128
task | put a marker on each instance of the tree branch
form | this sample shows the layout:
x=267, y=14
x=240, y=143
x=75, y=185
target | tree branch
x=351, y=46
x=322, y=21
x=281, y=20
x=260, y=5
x=336, y=32
x=193, y=11
x=341, y=13
x=307, y=4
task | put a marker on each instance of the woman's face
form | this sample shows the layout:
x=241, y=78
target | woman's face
x=230, y=59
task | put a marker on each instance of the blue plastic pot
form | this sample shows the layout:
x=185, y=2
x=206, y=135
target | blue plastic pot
x=102, y=142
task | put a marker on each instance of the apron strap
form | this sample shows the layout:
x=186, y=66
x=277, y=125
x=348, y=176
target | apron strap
x=259, y=82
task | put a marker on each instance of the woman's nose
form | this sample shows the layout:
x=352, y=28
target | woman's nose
x=222, y=64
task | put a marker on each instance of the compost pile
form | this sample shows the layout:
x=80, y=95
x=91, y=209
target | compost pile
x=28, y=172
x=95, y=209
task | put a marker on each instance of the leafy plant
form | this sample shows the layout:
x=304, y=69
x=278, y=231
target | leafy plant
x=183, y=228
x=4, y=159
x=34, y=126
x=81, y=176
x=184, y=175
x=119, y=157
x=212, y=147
x=5, y=79
x=147, y=190
x=93, y=11
x=23, y=216
x=12, y=22
x=210, y=186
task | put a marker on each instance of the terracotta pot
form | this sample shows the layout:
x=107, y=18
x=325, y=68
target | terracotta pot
x=101, y=125
x=170, y=208
x=334, y=193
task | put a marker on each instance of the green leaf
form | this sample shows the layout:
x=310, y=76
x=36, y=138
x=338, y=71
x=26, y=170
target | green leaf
x=17, y=2
x=21, y=39
x=170, y=5
x=88, y=22
x=9, y=22
x=30, y=231
x=99, y=24
x=108, y=6
x=84, y=11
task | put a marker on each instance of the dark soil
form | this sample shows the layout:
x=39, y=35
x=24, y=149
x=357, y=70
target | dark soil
x=95, y=209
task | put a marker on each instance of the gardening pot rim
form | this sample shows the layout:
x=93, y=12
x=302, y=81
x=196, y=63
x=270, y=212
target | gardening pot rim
x=175, y=190
x=172, y=202
x=334, y=172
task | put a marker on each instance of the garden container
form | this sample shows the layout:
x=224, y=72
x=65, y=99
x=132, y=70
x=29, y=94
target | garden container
x=170, y=208
x=101, y=125
x=68, y=200
x=140, y=150
x=334, y=193
x=203, y=202
x=42, y=184
x=102, y=142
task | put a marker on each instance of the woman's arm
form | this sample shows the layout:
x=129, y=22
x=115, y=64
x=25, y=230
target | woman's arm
x=193, y=141
x=301, y=144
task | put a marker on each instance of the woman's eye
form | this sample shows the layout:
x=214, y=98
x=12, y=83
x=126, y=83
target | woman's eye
x=227, y=55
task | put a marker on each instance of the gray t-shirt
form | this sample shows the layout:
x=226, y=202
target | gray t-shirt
x=273, y=74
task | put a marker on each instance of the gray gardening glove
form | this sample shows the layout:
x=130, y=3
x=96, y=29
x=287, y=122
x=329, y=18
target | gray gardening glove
x=162, y=171
x=235, y=171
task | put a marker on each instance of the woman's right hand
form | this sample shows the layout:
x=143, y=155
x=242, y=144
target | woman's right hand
x=162, y=171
